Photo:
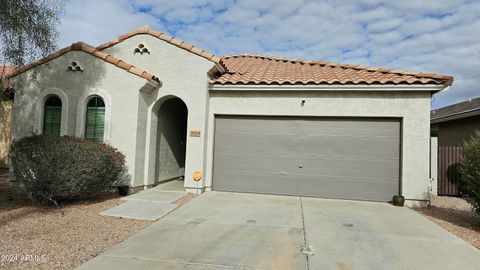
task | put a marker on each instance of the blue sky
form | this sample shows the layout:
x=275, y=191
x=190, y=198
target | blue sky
x=441, y=36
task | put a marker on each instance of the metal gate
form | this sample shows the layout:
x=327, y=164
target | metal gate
x=449, y=158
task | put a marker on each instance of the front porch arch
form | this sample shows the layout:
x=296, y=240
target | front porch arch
x=166, y=140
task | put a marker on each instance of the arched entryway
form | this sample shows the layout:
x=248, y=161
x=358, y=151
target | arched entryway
x=171, y=140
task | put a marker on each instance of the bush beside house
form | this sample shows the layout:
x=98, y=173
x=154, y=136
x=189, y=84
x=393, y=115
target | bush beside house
x=64, y=168
x=470, y=171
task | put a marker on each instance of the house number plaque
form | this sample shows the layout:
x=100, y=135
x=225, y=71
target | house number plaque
x=195, y=133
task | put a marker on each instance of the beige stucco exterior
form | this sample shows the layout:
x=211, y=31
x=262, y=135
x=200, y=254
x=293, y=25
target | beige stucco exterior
x=132, y=113
x=5, y=130
x=412, y=107
x=183, y=75
x=119, y=89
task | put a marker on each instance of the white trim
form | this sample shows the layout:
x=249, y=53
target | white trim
x=151, y=85
x=82, y=110
x=40, y=109
x=240, y=87
x=445, y=89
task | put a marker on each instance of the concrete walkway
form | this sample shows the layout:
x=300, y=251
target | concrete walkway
x=247, y=231
x=150, y=204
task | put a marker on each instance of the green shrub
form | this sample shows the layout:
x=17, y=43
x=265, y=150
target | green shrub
x=470, y=171
x=64, y=168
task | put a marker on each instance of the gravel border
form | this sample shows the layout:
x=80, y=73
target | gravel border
x=456, y=216
x=40, y=237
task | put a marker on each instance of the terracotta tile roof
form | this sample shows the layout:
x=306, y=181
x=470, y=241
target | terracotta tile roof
x=80, y=46
x=257, y=69
x=162, y=36
x=455, y=109
x=5, y=72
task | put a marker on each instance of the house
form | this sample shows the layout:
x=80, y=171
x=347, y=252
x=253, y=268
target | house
x=450, y=127
x=456, y=123
x=242, y=123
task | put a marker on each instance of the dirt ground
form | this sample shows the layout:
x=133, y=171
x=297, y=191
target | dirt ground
x=456, y=216
x=41, y=237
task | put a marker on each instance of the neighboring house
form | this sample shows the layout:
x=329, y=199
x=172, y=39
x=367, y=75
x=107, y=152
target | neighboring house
x=6, y=102
x=451, y=126
x=456, y=123
x=245, y=123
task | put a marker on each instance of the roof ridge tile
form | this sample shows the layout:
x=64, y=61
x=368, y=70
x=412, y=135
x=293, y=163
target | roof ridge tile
x=172, y=40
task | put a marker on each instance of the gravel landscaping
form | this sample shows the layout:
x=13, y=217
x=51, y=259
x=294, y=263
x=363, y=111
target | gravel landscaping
x=41, y=237
x=456, y=216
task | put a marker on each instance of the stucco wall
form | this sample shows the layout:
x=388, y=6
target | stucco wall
x=119, y=89
x=412, y=107
x=184, y=75
x=5, y=128
x=455, y=132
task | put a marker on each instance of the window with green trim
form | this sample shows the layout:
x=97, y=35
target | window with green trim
x=95, y=119
x=52, y=116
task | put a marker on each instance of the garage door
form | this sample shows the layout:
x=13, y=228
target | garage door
x=347, y=158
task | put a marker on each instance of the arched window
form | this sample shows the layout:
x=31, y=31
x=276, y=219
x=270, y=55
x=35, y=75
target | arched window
x=95, y=120
x=52, y=116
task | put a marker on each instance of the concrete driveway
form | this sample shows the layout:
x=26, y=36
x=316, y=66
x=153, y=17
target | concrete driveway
x=249, y=231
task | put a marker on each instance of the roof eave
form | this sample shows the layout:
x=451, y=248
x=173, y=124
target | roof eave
x=169, y=39
x=81, y=46
x=327, y=87
x=456, y=116
x=151, y=85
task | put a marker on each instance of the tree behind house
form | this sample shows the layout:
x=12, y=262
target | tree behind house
x=27, y=30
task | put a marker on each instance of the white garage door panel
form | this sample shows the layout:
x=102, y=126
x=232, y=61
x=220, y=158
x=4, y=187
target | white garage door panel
x=337, y=188
x=263, y=164
x=335, y=157
x=319, y=145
